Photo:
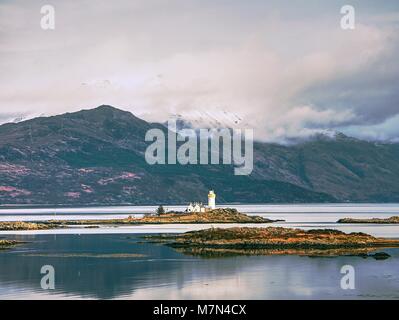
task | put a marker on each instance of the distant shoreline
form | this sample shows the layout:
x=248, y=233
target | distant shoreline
x=391, y=220
x=140, y=209
x=227, y=204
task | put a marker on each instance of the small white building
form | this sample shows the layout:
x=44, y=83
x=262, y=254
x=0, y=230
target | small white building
x=199, y=207
x=196, y=207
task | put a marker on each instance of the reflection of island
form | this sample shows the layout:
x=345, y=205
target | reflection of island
x=4, y=244
x=222, y=253
x=275, y=241
x=391, y=220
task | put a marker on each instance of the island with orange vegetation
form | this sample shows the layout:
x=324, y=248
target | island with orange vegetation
x=213, y=216
x=275, y=241
x=20, y=225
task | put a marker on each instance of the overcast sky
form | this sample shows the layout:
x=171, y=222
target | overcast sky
x=285, y=67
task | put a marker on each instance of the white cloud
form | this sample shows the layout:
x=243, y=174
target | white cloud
x=385, y=131
x=282, y=76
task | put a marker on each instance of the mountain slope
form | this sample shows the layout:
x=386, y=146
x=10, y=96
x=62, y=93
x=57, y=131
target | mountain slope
x=97, y=157
x=347, y=169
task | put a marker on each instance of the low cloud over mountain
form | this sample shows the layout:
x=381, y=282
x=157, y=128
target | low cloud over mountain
x=288, y=70
x=97, y=157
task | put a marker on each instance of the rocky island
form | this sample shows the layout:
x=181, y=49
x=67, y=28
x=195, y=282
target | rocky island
x=275, y=241
x=391, y=220
x=215, y=216
x=20, y=226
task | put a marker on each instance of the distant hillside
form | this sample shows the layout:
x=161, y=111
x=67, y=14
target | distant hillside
x=97, y=157
x=345, y=168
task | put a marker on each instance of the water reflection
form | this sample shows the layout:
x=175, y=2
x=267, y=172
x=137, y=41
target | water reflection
x=123, y=266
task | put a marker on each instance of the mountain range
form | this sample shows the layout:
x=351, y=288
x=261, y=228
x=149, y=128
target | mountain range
x=97, y=157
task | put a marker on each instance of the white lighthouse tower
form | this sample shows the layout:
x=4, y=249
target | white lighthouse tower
x=212, y=200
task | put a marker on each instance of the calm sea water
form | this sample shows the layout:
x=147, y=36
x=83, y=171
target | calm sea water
x=115, y=263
